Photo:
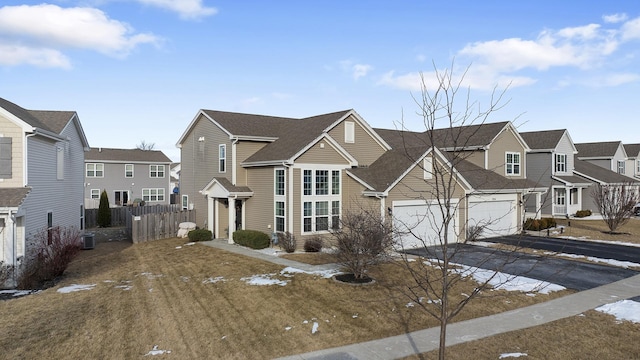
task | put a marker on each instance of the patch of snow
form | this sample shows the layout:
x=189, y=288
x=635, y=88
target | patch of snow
x=124, y=287
x=150, y=276
x=189, y=244
x=305, y=321
x=213, y=280
x=612, y=262
x=156, y=351
x=410, y=305
x=287, y=328
x=178, y=247
x=323, y=273
x=508, y=282
x=623, y=310
x=584, y=238
x=76, y=287
x=224, y=337
x=268, y=251
x=264, y=279
x=19, y=293
x=511, y=355
x=314, y=328
x=354, y=316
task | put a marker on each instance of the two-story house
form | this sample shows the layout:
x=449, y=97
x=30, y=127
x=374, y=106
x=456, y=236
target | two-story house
x=41, y=177
x=633, y=160
x=126, y=175
x=551, y=163
x=243, y=171
x=610, y=155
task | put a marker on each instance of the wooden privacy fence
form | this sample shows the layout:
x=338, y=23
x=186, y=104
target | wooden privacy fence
x=155, y=226
x=118, y=217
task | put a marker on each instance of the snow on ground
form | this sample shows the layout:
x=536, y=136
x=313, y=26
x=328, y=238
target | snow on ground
x=511, y=355
x=322, y=273
x=264, y=279
x=612, y=262
x=16, y=293
x=628, y=310
x=75, y=287
x=156, y=351
x=508, y=282
x=582, y=238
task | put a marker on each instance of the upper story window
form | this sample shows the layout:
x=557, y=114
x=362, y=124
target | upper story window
x=307, y=186
x=427, y=164
x=321, y=200
x=621, y=167
x=128, y=170
x=561, y=163
x=222, y=158
x=512, y=163
x=349, y=132
x=638, y=166
x=279, y=182
x=95, y=170
x=5, y=157
x=156, y=171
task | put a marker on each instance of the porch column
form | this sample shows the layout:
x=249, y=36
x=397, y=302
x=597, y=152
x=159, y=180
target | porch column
x=211, y=215
x=232, y=219
x=538, y=205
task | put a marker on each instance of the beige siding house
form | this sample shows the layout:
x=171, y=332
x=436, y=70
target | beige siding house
x=275, y=174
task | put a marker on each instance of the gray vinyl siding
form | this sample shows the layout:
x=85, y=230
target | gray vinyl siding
x=565, y=147
x=114, y=180
x=199, y=162
x=539, y=168
x=604, y=163
x=64, y=197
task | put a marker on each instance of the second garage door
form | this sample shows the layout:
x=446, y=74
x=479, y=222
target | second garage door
x=496, y=213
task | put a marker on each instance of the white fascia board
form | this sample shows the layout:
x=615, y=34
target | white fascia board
x=266, y=163
x=21, y=123
x=192, y=124
x=334, y=144
x=367, y=128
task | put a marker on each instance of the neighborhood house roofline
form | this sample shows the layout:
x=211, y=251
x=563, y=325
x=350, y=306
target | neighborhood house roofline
x=223, y=188
x=538, y=140
x=368, y=129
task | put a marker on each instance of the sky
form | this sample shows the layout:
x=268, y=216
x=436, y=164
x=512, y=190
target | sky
x=139, y=70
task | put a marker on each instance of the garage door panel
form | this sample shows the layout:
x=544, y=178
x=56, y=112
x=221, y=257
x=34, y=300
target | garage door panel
x=498, y=218
x=420, y=225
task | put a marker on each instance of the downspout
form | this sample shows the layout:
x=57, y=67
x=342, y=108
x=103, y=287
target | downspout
x=233, y=161
x=14, y=250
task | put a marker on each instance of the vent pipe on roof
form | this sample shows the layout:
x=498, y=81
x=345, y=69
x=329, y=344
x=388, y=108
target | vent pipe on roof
x=99, y=149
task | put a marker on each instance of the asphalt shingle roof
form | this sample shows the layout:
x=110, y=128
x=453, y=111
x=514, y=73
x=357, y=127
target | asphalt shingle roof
x=53, y=121
x=123, y=155
x=600, y=173
x=597, y=149
x=13, y=197
x=632, y=150
x=543, y=140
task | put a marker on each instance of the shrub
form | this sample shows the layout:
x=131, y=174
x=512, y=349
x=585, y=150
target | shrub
x=539, y=224
x=583, y=213
x=474, y=232
x=287, y=241
x=55, y=248
x=5, y=273
x=313, y=244
x=104, y=212
x=363, y=239
x=251, y=238
x=200, y=235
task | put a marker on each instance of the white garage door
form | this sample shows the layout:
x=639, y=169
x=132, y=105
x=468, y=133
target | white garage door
x=496, y=214
x=418, y=223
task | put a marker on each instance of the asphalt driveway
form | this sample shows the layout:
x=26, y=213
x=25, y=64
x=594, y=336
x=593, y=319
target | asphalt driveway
x=566, y=272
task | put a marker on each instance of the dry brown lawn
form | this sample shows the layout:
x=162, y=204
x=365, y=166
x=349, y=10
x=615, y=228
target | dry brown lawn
x=190, y=300
x=598, y=230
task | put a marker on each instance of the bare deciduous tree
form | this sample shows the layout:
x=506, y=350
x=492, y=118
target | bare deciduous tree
x=145, y=145
x=449, y=130
x=616, y=203
x=361, y=241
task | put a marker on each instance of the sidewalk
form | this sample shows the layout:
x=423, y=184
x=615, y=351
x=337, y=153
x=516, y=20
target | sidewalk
x=421, y=341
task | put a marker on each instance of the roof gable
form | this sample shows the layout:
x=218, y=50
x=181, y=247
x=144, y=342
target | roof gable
x=126, y=155
x=605, y=149
x=632, y=150
x=599, y=174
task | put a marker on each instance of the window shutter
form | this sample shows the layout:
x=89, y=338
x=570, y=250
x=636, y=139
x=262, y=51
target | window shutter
x=5, y=157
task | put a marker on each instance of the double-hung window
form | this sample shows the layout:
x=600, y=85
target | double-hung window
x=280, y=199
x=95, y=194
x=512, y=163
x=561, y=163
x=128, y=170
x=152, y=195
x=321, y=201
x=222, y=158
x=621, y=167
x=95, y=170
x=156, y=171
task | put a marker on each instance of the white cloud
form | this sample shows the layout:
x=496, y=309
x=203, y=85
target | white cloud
x=45, y=30
x=356, y=70
x=631, y=29
x=614, y=18
x=187, y=9
x=13, y=54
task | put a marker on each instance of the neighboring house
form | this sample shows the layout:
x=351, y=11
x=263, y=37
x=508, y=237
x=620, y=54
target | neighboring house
x=609, y=155
x=126, y=175
x=41, y=177
x=551, y=163
x=243, y=171
x=633, y=160
x=602, y=176
x=175, y=178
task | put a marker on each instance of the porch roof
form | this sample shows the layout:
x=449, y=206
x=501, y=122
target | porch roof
x=221, y=187
x=13, y=197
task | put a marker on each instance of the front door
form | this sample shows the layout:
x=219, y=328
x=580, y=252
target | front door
x=239, y=214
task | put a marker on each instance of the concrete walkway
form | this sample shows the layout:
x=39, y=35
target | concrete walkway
x=421, y=341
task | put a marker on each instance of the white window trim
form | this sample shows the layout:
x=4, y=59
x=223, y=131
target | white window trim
x=313, y=198
x=222, y=159
x=157, y=191
x=283, y=216
x=506, y=164
x=275, y=182
x=95, y=170
x=185, y=202
x=349, y=132
x=558, y=192
x=427, y=165
x=156, y=167
x=125, y=171
x=563, y=163
x=621, y=167
x=91, y=193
